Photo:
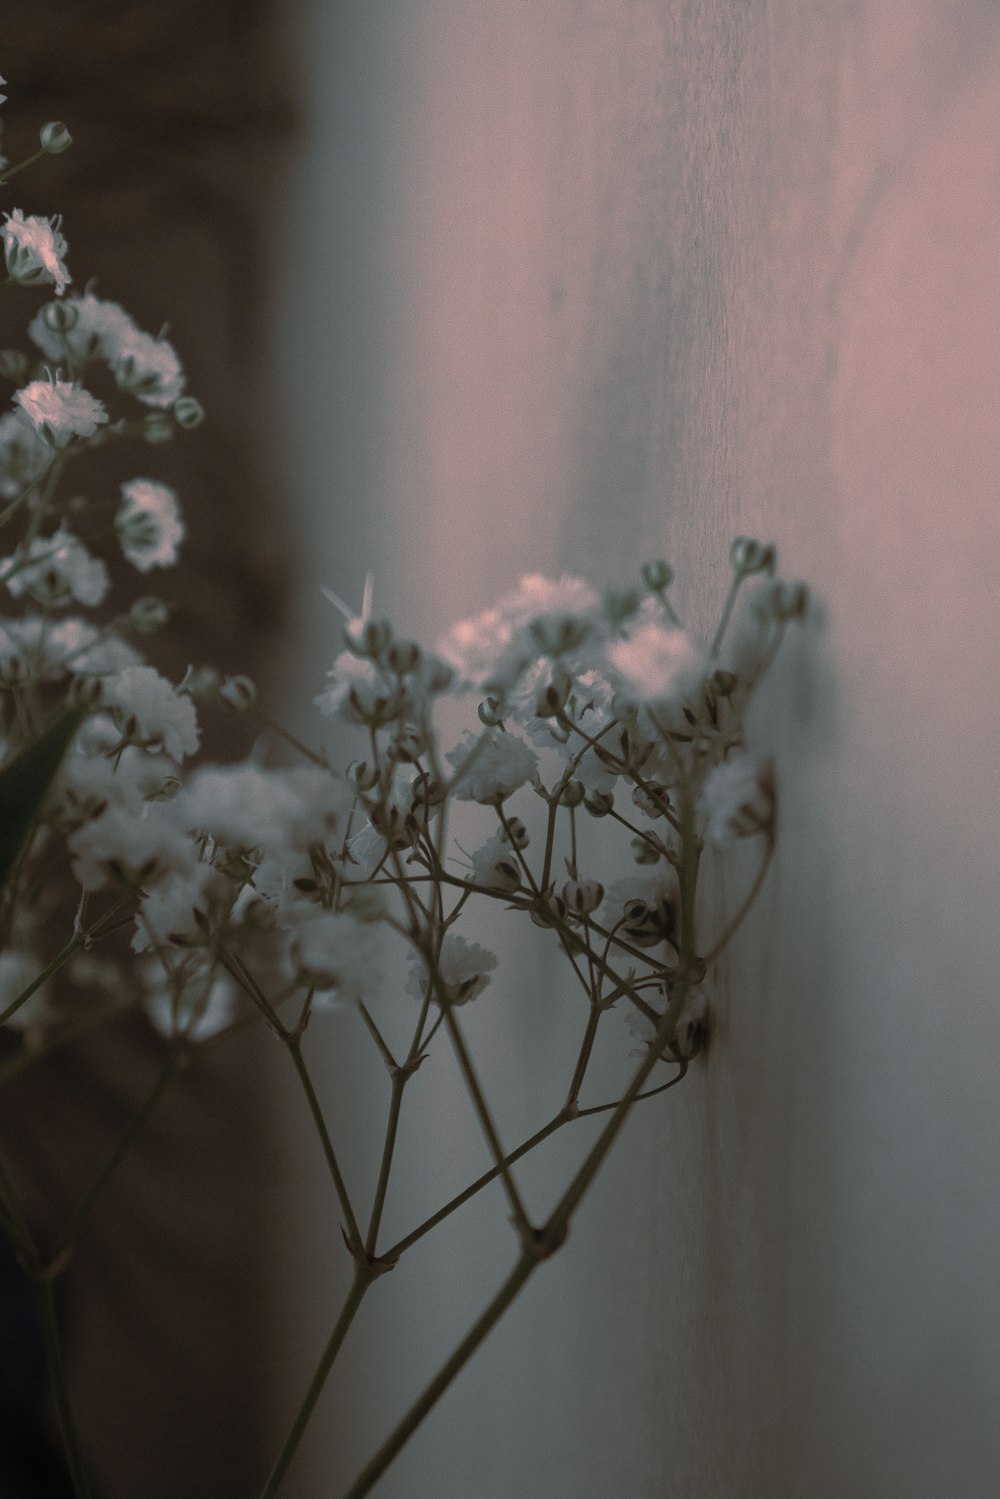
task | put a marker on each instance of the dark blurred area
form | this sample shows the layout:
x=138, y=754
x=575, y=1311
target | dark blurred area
x=182, y=118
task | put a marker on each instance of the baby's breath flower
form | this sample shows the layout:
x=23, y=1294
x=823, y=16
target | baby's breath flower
x=541, y=616
x=151, y=711
x=149, y=524
x=59, y=410
x=352, y=674
x=148, y=368
x=120, y=846
x=491, y=766
x=657, y=665
x=179, y=910
x=56, y=569
x=271, y=810
x=737, y=800
x=100, y=330
x=33, y=250
x=463, y=970
x=337, y=955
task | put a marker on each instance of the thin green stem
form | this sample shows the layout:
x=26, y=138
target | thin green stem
x=587, y=1046
x=483, y=1112
x=19, y=166
x=737, y=921
x=727, y=610
x=367, y=1479
x=316, y=756
x=47, y=1314
x=377, y=1037
x=70, y=1235
x=359, y=1285
x=294, y=1047
x=476, y=1186
x=399, y=1081
x=58, y=962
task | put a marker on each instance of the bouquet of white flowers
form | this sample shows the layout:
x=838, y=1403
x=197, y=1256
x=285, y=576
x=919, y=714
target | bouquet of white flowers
x=259, y=893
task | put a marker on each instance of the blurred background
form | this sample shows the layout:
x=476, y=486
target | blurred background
x=469, y=291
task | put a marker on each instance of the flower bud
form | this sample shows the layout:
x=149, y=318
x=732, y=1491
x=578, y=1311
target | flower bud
x=554, y=636
x=505, y=875
x=648, y=923
x=515, y=833
x=786, y=600
x=548, y=909
x=599, y=803
x=583, y=896
x=552, y=698
x=188, y=412
x=403, y=656
x=84, y=692
x=747, y=556
x=373, y=709
x=148, y=614
x=13, y=365
x=201, y=683
x=157, y=428
x=362, y=776
x=572, y=794
x=60, y=317
x=428, y=792
x=370, y=638
x=491, y=712
x=54, y=138
x=406, y=747
x=14, y=671
x=653, y=802
x=620, y=604
x=657, y=575
x=722, y=683
x=435, y=675
x=645, y=852
x=239, y=692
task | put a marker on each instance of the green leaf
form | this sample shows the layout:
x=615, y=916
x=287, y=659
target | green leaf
x=25, y=783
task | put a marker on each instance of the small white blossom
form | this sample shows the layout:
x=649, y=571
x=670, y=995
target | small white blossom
x=148, y=368
x=99, y=332
x=271, y=810
x=495, y=865
x=491, y=766
x=137, y=848
x=151, y=711
x=464, y=970
x=337, y=955
x=90, y=780
x=149, y=524
x=493, y=648
x=33, y=250
x=736, y=800
x=353, y=674
x=658, y=665
x=167, y=913
x=56, y=569
x=689, y=1023
x=59, y=410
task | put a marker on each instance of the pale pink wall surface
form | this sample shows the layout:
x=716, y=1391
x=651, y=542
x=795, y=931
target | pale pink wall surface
x=659, y=273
